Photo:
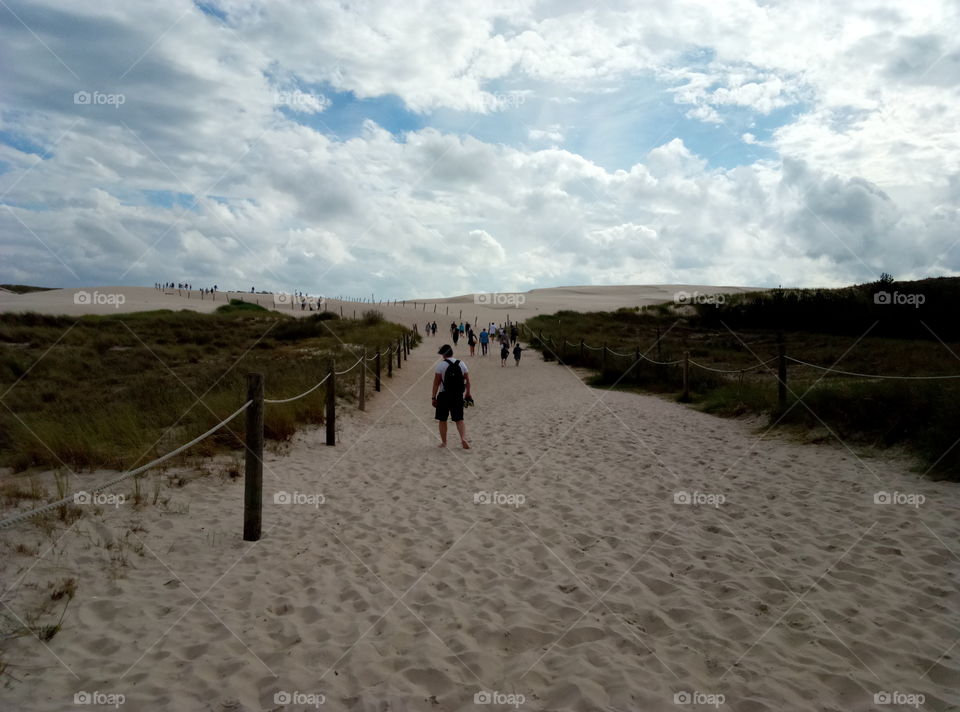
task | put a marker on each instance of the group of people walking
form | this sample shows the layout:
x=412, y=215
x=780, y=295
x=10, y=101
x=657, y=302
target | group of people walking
x=451, y=380
x=493, y=333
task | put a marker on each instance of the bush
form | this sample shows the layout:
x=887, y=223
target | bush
x=372, y=317
x=238, y=305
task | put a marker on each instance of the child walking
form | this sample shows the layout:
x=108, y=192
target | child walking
x=516, y=353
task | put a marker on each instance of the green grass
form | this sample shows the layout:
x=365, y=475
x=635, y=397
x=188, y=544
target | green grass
x=920, y=416
x=24, y=288
x=238, y=306
x=116, y=391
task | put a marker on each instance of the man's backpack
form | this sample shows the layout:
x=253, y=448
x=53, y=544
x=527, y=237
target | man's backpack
x=453, y=381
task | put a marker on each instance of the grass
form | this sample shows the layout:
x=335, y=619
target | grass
x=917, y=415
x=116, y=391
x=24, y=288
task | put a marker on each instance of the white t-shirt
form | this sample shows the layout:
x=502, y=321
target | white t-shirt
x=442, y=369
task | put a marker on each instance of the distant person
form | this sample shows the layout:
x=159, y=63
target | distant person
x=516, y=353
x=461, y=328
x=451, y=384
x=514, y=333
x=484, y=342
x=504, y=352
x=472, y=342
x=433, y=328
x=455, y=333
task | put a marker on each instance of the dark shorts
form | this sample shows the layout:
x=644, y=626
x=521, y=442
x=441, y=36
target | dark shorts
x=449, y=407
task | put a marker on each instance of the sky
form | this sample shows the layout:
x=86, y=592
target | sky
x=426, y=149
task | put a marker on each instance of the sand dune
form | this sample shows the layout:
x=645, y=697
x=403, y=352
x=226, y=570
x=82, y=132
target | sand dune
x=492, y=307
x=599, y=591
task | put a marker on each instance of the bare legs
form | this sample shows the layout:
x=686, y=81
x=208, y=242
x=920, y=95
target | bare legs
x=461, y=430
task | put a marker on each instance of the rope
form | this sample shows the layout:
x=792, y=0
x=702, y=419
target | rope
x=872, y=375
x=341, y=373
x=305, y=393
x=17, y=518
x=731, y=370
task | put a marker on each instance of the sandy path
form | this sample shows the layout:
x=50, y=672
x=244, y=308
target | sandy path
x=599, y=592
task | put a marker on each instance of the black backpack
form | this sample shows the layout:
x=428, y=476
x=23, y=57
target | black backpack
x=453, y=378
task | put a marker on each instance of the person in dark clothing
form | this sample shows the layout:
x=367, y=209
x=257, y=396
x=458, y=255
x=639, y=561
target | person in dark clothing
x=445, y=396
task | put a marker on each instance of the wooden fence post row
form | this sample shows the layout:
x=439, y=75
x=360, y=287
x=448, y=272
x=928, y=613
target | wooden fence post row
x=253, y=469
x=604, y=365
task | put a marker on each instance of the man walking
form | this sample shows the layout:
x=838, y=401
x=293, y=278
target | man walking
x=451, y=384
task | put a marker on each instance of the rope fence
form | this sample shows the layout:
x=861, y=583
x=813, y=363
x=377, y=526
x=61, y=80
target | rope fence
x=253, y=407
x=560, y=351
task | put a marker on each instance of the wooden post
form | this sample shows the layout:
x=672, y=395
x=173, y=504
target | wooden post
x=253, y=474
x=389, y=364
x=434, y=308
x=406, y=346
x=332, y=405
x=603, y=360
x=659, y=355
x=581, y=353
x=361, y=397
x=341, y=311
x=781, y=372
x=399, y=353
x=686, y=376
x=636, y=364
x=376, y=372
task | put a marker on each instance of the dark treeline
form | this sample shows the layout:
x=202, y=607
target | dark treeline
x=898, y=310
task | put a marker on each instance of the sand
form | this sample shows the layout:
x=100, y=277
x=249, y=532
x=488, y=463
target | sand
x=478, y=307
x=583, y=585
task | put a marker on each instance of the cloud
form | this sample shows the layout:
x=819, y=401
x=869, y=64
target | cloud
x=220, y=164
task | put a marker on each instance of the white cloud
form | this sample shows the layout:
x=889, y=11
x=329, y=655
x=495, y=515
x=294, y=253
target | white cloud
x=206, y=172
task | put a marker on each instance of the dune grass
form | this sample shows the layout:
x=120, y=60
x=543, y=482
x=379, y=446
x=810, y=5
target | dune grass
x=920, y=416
x=116, y=391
